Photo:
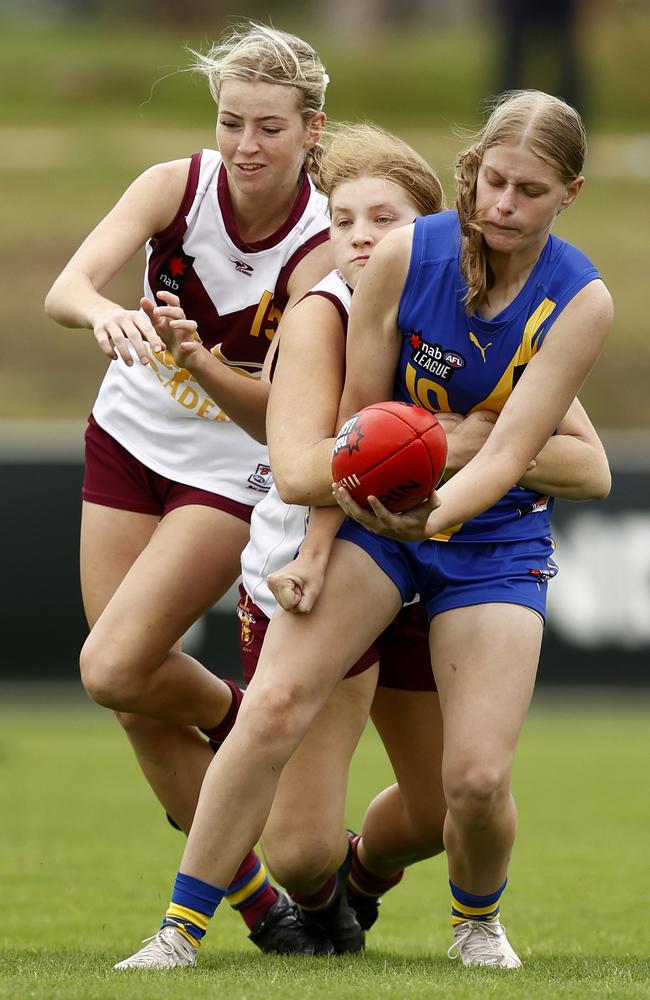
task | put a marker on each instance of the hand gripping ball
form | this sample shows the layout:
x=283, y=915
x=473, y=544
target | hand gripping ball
x=393, y=451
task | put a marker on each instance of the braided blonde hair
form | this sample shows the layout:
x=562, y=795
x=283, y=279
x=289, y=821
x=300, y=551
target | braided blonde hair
x=551, y=129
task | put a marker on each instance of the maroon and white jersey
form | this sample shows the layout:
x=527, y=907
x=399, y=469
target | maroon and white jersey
x=236, y=292
x=278, y=528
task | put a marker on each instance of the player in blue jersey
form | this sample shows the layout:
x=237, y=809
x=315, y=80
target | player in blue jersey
x=484, y=595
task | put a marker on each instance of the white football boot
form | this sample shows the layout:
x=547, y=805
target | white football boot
x=167, y=949
x=483, y=943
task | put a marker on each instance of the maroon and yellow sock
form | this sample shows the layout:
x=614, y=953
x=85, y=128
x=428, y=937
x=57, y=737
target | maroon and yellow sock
x=218, y=733
x=364, y=883
x=320, y=899
x=250, y=892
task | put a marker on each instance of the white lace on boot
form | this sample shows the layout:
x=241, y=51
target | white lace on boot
x=483, y=943
x=167, y=949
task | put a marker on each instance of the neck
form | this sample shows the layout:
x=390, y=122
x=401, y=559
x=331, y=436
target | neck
x=258, y=217
x=511, y=271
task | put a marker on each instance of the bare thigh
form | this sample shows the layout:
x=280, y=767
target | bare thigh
x=111, y=541
x=186, y=562
x=485, y=660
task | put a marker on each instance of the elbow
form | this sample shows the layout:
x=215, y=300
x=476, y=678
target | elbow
x=603, y=487
x=50, y=305
x=291, y=486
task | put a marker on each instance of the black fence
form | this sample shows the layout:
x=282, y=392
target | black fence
x=598, y=628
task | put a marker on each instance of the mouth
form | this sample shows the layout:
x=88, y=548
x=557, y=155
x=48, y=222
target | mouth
x=361, y=259
x=502, y=229
x=249, y=168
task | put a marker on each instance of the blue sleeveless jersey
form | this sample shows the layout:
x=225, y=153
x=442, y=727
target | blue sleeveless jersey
x=450, y=361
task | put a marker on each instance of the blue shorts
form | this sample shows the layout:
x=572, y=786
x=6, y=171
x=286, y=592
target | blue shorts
x=450, y=575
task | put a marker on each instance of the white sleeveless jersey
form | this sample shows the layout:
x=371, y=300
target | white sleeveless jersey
x=277, y=528
x=236, y=292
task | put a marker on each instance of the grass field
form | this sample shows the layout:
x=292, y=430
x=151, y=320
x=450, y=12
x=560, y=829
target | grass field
x=87, y=861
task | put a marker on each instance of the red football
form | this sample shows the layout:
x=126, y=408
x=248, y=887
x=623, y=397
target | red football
x=393, y=451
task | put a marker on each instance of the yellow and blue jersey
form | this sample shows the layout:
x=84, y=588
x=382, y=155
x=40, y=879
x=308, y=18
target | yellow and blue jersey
x=453, y=362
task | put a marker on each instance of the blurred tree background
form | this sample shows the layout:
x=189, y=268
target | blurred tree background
x=92, y=92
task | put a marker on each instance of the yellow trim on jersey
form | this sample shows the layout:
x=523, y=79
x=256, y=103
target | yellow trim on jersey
x=247, y=890
x=526, y=350
x=200, y=920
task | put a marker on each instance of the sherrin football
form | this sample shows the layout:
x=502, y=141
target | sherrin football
x=393, y=451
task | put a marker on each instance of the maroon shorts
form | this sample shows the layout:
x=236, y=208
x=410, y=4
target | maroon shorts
x=404, y=657
x=402, y=649
x=114, y=478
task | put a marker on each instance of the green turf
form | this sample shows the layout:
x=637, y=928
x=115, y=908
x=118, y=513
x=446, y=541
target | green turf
x=87, y=862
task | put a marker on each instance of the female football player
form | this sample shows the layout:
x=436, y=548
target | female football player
x=172, y=471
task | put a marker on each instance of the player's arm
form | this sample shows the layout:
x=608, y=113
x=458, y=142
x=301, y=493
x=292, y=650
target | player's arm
x=538, y=403
x=297, y=585
x=76, y=300
x=572, y=464
x=373, y=342
x=304, y=399
x=244, y=399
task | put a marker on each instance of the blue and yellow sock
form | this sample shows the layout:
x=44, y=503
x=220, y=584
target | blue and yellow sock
x=193, y=904
x=468, y=906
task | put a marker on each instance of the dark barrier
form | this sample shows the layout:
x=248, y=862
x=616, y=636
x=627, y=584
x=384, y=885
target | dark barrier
x=599, y=606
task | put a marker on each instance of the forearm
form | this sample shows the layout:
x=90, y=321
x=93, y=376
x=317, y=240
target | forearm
x=479, y=485
x=571, y=468
x=323, y=524
x=73, y=301
x=243, y=399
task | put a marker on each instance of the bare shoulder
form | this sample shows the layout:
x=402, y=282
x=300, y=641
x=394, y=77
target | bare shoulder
x=158, y=192
x=595, y=298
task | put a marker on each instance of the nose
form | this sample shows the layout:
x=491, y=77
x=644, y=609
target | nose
x=248, y=140
x=506, y=203
x=361, y=235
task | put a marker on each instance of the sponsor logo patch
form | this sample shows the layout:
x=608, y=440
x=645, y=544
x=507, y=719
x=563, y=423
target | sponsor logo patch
x=261, y=479
x=434, y=359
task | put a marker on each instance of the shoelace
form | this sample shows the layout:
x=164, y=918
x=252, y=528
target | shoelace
x=162, y=941
x=472, y=941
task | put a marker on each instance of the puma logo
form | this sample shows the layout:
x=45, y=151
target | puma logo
x=482, y=349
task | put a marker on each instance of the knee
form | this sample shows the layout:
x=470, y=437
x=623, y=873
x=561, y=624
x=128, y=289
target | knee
x=474, y=791
x=106, y=680
x=300, y=861
x=274, y=717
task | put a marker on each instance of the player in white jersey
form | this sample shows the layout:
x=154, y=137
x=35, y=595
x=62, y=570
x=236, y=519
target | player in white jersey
x=173, y=470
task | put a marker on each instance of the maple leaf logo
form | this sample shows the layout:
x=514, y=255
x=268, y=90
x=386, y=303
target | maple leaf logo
x=176, y=266
x=415, y=340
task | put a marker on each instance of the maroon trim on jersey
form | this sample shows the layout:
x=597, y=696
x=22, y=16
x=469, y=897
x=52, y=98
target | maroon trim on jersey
x=292, y=219
x=342, y=311
x=186, y=202
x=281, y=289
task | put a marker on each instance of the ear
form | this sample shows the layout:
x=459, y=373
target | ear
x=315, y=129
x=572, y=192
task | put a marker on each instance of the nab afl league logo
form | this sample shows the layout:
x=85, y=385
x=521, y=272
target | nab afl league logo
x=434, y=359
x=174, y=271
x=349, y=437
